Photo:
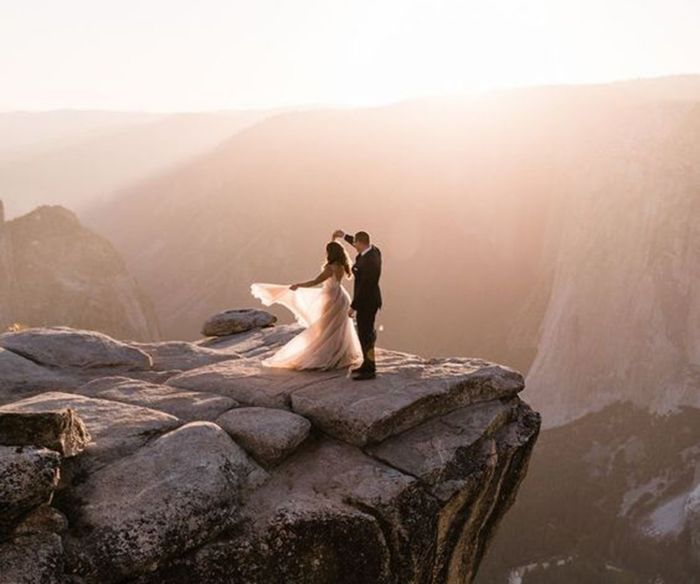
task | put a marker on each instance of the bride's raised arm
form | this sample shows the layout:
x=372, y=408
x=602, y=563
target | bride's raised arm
x=324, y=275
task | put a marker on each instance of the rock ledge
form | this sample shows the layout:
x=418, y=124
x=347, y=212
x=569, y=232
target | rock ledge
x=190, y=462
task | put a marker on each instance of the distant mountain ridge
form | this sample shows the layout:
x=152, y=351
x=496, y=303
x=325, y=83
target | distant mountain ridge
x=82, y=167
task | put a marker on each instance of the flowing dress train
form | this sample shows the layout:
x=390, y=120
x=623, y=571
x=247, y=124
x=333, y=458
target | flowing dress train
x=329, y=339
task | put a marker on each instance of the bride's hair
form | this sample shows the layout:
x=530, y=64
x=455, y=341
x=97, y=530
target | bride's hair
x=336, y=254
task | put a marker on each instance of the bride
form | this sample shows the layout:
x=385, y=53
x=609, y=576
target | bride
x=329, y=340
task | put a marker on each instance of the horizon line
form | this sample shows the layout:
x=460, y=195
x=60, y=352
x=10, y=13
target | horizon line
x=337, y=105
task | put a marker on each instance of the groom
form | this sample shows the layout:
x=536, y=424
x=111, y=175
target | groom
x=367, y=298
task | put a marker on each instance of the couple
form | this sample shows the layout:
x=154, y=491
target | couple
x=329, y=340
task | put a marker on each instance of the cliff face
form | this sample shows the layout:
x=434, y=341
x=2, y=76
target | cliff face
x=202, y=466
x=632, y=475
x=623, y=320
x=53, y=271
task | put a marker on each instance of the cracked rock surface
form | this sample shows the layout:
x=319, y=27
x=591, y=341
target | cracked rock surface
x=203, y=466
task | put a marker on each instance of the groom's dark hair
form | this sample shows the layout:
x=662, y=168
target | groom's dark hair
x=362, y=237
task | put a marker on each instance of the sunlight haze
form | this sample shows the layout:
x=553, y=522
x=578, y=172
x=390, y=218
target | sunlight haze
x=215, y=54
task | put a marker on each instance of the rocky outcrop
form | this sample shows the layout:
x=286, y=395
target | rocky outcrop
x=53, y=271
x=231, y=322
x=226, y=472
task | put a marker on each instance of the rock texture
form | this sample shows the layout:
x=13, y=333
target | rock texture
x=231, y=322
x=66, y=348
x=174, y=355
x=19, y=375
x=693, y=514
x=268, y=434
x=62, y=431
x=301, y=478
x=28, y=477
x=160, y=502
x=186, y=405
x=53, y=271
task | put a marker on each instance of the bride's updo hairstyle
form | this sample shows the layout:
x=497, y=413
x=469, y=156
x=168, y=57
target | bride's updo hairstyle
x=335, y=254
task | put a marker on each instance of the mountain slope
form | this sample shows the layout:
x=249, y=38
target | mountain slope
x=53, y=271
x=623, y=321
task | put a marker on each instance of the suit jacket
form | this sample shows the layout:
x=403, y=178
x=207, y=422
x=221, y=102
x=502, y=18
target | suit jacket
x=367, y=269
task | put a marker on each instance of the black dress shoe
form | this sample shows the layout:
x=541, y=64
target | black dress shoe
x=362, y=375
x=357, y=370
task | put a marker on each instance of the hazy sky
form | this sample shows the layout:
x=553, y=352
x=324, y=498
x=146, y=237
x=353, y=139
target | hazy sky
x=214, y=54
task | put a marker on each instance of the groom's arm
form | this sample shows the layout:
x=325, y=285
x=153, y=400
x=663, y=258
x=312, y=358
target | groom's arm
x=346, y=236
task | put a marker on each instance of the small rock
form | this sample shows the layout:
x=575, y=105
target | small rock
x=269, y=435
x=64, y=347
x=28, y=477
x=62, y=431
x=231, y=322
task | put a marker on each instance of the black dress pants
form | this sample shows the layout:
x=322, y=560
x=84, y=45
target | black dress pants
x=368, y=336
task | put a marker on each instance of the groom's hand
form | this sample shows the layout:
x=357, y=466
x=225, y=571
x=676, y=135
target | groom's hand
x=351, y=312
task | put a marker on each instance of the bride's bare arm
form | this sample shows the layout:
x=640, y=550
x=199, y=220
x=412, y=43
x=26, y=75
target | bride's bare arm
x=324, y=275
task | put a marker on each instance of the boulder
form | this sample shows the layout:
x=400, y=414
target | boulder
x=20, y=376
x=186, y=405
x=117, y=429
x=62, y=431
x=32, y=559
x=269, y=435
x=169, y=497
x=28, y=477
x=231, y=322
x=64, y=347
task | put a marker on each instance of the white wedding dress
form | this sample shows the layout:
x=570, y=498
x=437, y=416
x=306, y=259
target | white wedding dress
x=329, y=340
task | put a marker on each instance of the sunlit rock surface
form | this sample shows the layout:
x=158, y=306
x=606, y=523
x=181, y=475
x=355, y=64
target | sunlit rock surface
x=214, y=469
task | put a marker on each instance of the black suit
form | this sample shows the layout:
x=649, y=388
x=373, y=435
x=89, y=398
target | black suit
x=367, y=300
